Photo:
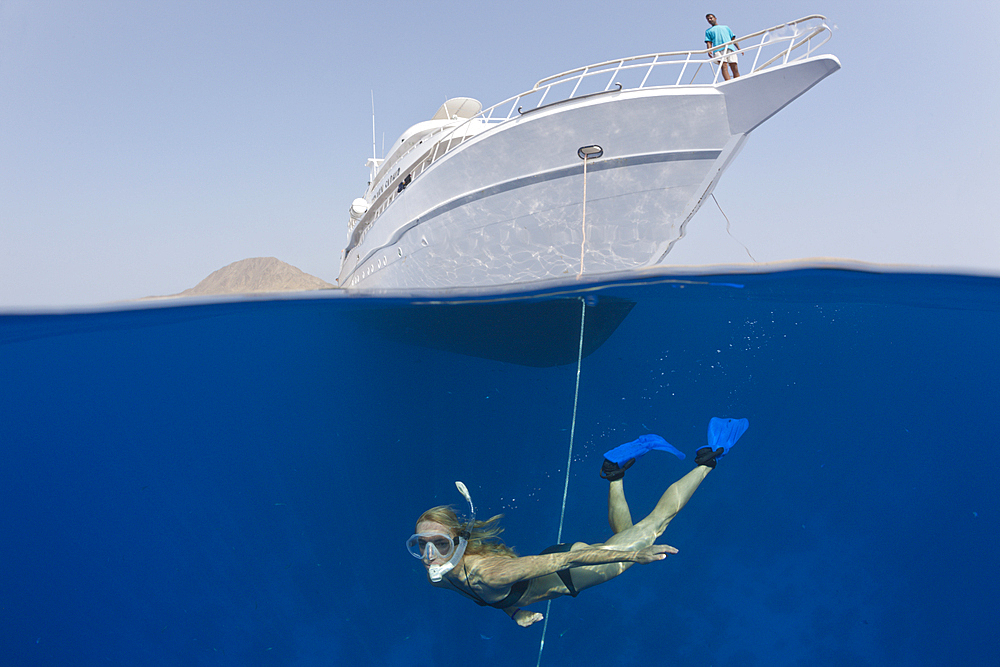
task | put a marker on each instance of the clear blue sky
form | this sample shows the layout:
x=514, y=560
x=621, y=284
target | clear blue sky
x=144, y=145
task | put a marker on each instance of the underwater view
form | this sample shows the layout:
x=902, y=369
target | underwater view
x=232, y=481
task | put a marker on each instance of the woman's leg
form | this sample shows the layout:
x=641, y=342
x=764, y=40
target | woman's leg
x=642, y=534
x=618, y=513
x=645, y=532
x=552, y=586
x=630, y=538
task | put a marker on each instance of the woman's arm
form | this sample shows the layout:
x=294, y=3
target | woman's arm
x=500, y=572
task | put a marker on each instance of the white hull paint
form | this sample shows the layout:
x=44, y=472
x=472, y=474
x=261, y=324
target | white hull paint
x=507, y=205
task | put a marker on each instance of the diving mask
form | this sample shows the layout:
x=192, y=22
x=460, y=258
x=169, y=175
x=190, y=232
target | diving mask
x=432, y=545
x=438, y=545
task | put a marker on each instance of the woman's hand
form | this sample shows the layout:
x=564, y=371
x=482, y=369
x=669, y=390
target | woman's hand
x=654, y=553
x=526, y=618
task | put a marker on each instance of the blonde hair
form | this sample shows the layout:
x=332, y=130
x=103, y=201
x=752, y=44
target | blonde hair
x=484, y=538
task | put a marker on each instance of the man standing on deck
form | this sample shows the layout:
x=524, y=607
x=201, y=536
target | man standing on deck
x=718, y=35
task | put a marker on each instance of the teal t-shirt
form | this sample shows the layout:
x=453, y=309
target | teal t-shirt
x=720, y=34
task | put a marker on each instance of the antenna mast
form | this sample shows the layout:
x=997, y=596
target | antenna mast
x=373, y=161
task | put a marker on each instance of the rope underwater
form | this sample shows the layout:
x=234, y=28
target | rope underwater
x=569, y=460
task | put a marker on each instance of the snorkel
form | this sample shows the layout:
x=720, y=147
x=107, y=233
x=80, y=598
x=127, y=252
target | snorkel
x=437, y=572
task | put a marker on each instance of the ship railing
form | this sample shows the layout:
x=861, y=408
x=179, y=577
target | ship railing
x=780, y=45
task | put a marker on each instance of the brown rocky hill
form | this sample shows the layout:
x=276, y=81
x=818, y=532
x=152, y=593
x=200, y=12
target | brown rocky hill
x=258, y=274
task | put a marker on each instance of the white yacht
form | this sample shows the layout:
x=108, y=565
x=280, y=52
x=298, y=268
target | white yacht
x=596, y=170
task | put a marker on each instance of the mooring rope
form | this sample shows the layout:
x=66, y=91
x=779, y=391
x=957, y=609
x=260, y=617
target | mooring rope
x=569, y=458
x=583, y=224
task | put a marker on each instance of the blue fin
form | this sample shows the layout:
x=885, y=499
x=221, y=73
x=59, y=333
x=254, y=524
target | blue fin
x=638, y=447
x=725, y=432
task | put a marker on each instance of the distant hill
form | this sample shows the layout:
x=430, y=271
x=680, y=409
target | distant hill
x=258, y=274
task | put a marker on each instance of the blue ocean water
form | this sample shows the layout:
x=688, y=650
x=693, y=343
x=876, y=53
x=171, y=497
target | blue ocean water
x=232, y=482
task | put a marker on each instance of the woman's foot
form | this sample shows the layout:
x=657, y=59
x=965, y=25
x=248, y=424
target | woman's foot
x=613, y=472
x=706, y=457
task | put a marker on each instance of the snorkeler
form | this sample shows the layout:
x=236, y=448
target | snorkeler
x=470, y=559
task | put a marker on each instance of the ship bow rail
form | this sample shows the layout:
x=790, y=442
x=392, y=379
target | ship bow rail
x=780, y=45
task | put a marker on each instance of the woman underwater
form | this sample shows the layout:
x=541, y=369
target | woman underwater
x=470, y=559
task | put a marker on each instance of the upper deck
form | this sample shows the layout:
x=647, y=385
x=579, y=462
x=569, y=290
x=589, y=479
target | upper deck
x=418, y=151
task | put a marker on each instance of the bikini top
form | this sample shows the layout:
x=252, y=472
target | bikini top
x=510, y=600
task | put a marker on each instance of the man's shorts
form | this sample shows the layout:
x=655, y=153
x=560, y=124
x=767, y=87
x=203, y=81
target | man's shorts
x=729, y=57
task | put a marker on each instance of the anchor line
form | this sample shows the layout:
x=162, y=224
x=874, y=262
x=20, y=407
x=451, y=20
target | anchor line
x=583, y=224
x=569, y=455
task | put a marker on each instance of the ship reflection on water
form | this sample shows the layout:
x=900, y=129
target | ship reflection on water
x=540, y=332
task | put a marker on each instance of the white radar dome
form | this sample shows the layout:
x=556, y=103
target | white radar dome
x=358, y=208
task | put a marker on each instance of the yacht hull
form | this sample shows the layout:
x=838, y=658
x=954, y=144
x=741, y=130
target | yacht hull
x=517, y=204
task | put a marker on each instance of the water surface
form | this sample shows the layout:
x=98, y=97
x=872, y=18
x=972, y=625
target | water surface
x=232, y=482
